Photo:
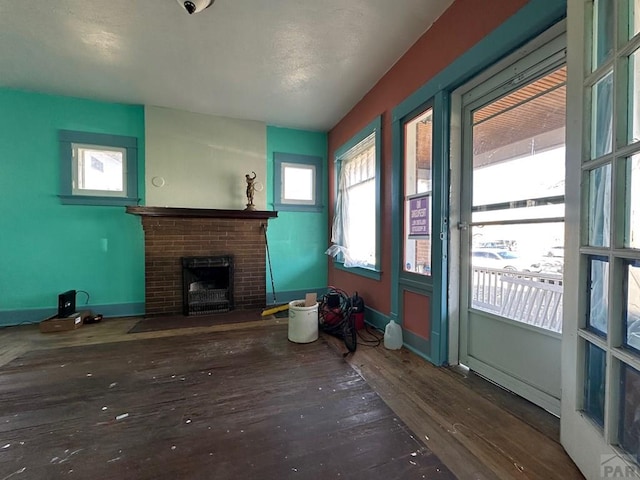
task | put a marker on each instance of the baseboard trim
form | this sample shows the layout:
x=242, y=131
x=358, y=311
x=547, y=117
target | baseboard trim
x=375, y=318
x=12, y=318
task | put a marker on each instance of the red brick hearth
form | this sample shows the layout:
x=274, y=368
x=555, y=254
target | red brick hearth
x=173, y=233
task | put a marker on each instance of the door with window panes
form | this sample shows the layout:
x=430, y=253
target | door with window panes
x=601, y=343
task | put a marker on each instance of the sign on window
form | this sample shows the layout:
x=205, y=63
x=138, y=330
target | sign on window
x=419, y=216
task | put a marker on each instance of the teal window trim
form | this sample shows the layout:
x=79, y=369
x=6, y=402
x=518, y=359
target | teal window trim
x=371, y=273
x=66, y=140
x=528, y=22
x=375, y=126
x=306, y=160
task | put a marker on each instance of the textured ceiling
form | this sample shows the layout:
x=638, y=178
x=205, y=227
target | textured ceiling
x=293, y=63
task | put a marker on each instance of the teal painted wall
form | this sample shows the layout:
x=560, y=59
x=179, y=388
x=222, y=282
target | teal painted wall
x=48, y=247
x=297, y=240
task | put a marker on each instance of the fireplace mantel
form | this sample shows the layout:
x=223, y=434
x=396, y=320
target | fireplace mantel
x=200, y=213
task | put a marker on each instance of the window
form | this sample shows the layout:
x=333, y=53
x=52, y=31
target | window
x=418, y=193
x=297, y=182
x=98, y=169
x=356, y=223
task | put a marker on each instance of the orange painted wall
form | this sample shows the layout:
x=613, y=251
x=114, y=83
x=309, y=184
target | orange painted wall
x=463, y=24
x=416, y=318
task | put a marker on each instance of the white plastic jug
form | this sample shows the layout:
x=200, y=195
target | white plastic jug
x=393, y=336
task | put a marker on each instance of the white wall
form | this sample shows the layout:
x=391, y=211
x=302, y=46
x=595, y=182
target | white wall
x=200, y=161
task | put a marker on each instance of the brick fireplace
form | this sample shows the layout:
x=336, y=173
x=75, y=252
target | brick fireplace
x=174, y=233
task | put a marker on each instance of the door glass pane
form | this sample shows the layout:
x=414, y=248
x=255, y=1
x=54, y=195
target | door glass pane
x=417, y=193
x=602, y=116
x=632, y=338
x=632, y=237
x=598, y=299
x=634, y=97
x=533, y=295
x=594, y=383
x=518, y=153
x=634, y=17
x=599, y=206
x=518, y=180
x=629, y=432
x=602, y=31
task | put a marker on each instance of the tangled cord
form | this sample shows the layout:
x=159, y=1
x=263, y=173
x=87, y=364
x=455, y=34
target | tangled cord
x=373, y=339
x=336, y=317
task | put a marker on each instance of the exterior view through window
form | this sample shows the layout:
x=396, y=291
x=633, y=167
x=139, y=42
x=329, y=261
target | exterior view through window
x=418, y=194
x=517, y=229
x=99, y=170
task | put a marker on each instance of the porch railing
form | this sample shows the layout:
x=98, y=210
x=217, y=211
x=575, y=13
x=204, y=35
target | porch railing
x=531, y=298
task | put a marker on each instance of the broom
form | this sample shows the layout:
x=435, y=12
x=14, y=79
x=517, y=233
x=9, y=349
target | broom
x=277, y=308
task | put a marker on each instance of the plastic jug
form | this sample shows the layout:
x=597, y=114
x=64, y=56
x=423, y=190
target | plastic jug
x=393, y=336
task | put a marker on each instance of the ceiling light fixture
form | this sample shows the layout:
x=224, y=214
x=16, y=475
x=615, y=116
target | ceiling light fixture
x=195, y=6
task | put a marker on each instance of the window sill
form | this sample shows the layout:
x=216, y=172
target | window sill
x=363, y=272
x=97, y=200
x=289, y=207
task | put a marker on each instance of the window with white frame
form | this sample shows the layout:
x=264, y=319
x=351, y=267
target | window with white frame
x=355, y=233
x=297, y=182
x=98, y=169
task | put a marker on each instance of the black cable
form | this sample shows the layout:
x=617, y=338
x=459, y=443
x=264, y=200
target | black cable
x=369, y=342
x=86, y=293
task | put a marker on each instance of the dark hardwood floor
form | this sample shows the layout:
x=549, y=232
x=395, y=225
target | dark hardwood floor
x=240, y=401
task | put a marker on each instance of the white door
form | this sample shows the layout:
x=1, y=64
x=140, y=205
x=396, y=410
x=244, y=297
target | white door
x=600, y=422
x=512, y=225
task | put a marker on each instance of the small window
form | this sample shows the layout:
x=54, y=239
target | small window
x=98, y=169
x=356, y=224
x=297, y=182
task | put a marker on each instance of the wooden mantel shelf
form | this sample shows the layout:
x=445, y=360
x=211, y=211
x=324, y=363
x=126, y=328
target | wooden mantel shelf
x=200, y=213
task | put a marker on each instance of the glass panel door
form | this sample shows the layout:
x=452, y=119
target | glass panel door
x=512, y=224
x=602, y=315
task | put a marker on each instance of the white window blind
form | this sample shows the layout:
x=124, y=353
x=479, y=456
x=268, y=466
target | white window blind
x=354, y=223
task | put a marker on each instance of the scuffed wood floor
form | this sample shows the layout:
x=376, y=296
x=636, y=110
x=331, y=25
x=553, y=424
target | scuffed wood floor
x=476, y=429
x=234, y=404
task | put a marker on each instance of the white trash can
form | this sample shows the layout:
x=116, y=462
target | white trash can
x=303, y=322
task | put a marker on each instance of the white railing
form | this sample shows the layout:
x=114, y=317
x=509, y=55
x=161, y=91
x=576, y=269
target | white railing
x=531, y=298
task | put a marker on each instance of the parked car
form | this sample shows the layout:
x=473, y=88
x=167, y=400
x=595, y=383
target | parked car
x=557, y=251
x=502, y=259
x=499, y=244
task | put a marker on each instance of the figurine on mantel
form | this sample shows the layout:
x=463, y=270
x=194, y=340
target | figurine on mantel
x=251, y=188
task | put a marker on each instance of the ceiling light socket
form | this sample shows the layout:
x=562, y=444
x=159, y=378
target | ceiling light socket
x=195, y=6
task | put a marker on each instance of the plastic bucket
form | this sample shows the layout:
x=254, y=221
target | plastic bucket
x=303, y=322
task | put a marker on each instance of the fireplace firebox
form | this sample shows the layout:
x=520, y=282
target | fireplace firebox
x=207, y=285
